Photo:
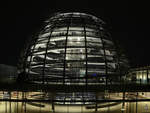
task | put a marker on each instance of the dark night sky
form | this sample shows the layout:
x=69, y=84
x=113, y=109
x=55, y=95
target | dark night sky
x=129, y=24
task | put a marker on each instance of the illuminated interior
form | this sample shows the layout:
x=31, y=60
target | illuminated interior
x=72, y=48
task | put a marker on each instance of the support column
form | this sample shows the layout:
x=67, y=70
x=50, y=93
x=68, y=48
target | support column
x=10, y=102
x=96, y=106
x=5, y=106
x=53, y=104
x=136, y=102
x=53, y=107
x=96, y=102
x=123, y=104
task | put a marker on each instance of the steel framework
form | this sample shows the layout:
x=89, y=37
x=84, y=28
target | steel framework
x=72, y=48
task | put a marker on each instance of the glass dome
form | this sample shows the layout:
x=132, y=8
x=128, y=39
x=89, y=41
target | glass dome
x=71, y=48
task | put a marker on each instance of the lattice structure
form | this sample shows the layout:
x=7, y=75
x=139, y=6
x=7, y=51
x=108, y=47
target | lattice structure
x=72, y=48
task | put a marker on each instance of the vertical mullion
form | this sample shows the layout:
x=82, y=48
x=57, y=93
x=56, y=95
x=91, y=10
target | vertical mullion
x=43, y=74
x=64, y=72
x=147, y=76
x=31, y=56
x=103, y=47
x=118, y=60
x=85, y=49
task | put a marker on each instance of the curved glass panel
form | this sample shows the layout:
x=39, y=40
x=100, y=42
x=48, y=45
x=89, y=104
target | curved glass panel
x=73, y=48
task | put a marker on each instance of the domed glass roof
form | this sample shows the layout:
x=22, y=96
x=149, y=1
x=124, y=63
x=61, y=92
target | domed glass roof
x=72, y=48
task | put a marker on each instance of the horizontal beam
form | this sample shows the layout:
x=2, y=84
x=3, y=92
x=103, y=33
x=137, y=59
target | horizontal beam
x=50, y=100
x=75, y=88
